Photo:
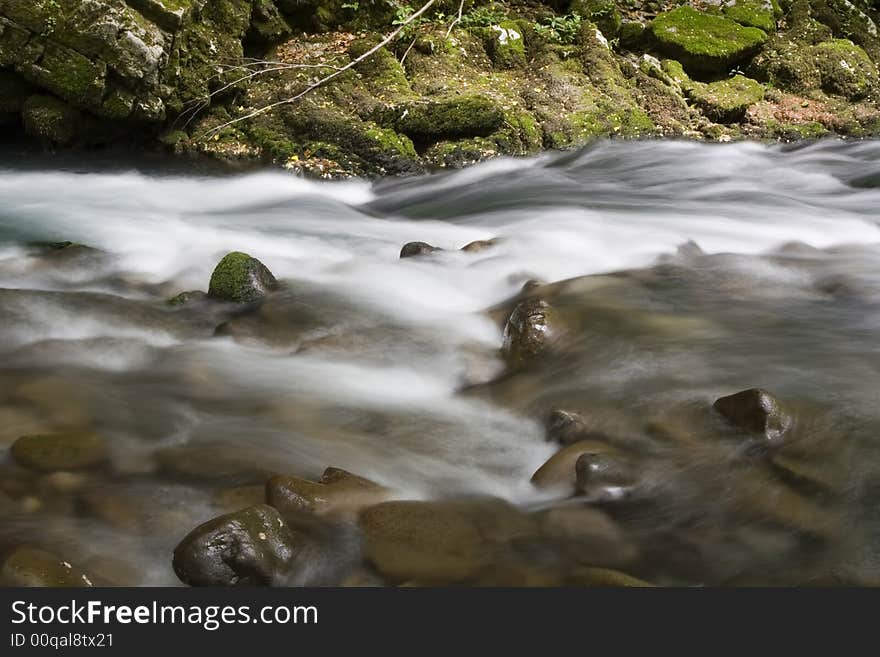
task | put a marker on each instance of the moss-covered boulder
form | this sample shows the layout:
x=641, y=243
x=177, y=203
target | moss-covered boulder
x=604, y=13
x=240, y=278
x=464, y=116
x=70, y=450
x=506, y=45
x=726, y=101
x=850, y=19
x=753, y=13
x=51, y=120
x=703, y=42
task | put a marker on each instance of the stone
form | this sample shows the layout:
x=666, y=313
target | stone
x=339, y=492
x=603, y=477
x=240, y=278
x=453, y=118
x=250, y=547
x=416, y=249
x=559, y=471
x=442, y=542
x=51, y=120
x=726, y=101
x=705, y=43
x=506, y=47
x=187, y=297
x=34, y=567
x=479, y=245
x=530, y=332
x=755, y=411
x=70, y=450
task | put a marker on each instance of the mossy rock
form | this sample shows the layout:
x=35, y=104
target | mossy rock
x=753, y=13
x=51, y=120
x=604, y=13
x=240, y=278
x=705, y=43
x=851, y=19
x=726, y=101
x=632, y=35
x=454, y=118
x=845, y=69
x=71, y=450
x=506, y=45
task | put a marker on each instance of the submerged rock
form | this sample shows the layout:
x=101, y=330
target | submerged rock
x=416, y=249
x=756, y=411
x=559, y=471
x=186, y=297
x=69, y=450
x=251, y=547
x=479, y=245
x=603, y=477
x=338, y=492
x=241, y=278
x=32, y=567
x=530, y=331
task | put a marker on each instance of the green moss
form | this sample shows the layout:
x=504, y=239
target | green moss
x=753, y=13
x=51, y=120
x=845, y=69
x=604, y=13
x=631, y=35
x=726, y=101
x=69, y=75
x=464, y=116
x=704, y=42
x=795, y=131
x=240, y=278
x=506, y=45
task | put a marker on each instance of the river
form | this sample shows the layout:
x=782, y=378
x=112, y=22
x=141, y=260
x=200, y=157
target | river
x=389, y=367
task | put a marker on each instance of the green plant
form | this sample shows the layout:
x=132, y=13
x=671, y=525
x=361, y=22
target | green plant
x=561, y=29
x=484, y=16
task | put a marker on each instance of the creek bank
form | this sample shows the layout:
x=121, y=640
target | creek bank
x=509, y=79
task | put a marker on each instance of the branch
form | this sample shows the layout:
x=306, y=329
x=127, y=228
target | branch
x=457, y=20
x=288, y=101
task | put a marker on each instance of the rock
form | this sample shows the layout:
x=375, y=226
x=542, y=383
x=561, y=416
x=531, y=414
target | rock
x=187, y=297
x=726, y=101
x=69, y=450
x=604, y=13
x=416, y=249
x=756, y=411
x=603, y=477
x=442, y=542
x=705, y=43
x=530, y=331
x=51, y=120
x=567, y=427
x=506, y=47
x=251, y=547
x=479, y=245
x=604, y=577
x=560, y=469
x=588, y=536
x=214, y=462
x=457, y=117
x=753, y=13
x=240, y=278
x=240, y=497
x=33, y=567
x=632, y=35
x=338, y=492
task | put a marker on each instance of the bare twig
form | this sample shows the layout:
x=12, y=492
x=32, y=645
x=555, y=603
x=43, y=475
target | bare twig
x=403, y=59
x=457, y=20
x=288, y=101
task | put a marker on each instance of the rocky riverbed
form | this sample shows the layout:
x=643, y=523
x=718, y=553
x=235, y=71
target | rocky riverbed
x=643, y=363
x=507, y=78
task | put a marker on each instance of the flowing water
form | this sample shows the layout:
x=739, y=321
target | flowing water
x=389, y=367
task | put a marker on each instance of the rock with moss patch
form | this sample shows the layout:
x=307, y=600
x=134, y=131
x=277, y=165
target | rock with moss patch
x=70, y=450
x=506, y=45
x=726, y=101
x=705, y=43
x=251, y=547
x=33, y=567
x=752, y=13
x=241, y=278
x=464, y=116
x=52, y=120
x=187, y=297
x=604, y=13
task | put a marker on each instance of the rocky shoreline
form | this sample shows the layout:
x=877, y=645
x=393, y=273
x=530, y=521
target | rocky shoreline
x=509, y=78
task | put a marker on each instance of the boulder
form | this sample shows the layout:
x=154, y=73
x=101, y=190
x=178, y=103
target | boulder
x=70, y=450
x=416, y=249
x=530, y=332
x=251, y=547
x=604, y=13
x=755, y=411
x=33, y=567
x=726, y=101
x=240, y=278
x=705, y=43
x=506, y=46
x=457, y=117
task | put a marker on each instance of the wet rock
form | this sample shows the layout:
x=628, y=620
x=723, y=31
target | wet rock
x=824, y=477
x=479, y=245
x=251, y=547
x=338, y=492
x=214, y=461
x=588, y=536
x=69, y=450
x=240, y=497
x=456, y=117
x=604, y=577
x=16, y=422
x=416, y=249
x=530, y=331
x=756, y=411
x=705, y=43
x=603, y=477
x=560, y=469
x=240, y=278
x=187, y=297
x=33, y=567
x=569, y=427
x=440, y=542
